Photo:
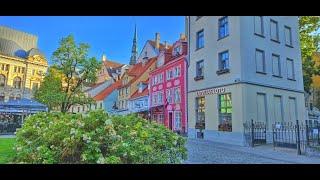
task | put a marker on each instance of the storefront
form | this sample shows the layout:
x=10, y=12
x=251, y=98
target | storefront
x=14, y=112
x=218, y=113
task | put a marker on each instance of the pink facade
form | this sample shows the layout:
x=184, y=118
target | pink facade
x=167, y=91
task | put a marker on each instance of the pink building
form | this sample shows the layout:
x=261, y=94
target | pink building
x=167, y=91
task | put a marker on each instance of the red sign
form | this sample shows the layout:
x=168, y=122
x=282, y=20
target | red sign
x=211, y=91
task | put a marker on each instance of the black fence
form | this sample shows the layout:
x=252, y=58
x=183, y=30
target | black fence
x=289, y=135
x=255, y=133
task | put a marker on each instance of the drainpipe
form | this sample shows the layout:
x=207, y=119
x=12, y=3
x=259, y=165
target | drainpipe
x=187, y=69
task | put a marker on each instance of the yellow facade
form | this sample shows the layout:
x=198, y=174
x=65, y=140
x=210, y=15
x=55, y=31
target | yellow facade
x=22, y=66
x=126, y=91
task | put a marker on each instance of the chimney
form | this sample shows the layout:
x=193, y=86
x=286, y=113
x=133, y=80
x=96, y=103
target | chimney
x=165, y=44
x=104, y=57
x=182, y=36
x=157, y=40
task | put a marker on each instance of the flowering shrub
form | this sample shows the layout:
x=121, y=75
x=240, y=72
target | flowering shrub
x=96, y=138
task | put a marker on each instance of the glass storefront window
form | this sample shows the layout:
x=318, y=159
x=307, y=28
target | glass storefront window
x=200, y=113
x=225, y=112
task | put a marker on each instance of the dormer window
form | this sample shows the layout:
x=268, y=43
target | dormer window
x=177, y=51
x=160, y=60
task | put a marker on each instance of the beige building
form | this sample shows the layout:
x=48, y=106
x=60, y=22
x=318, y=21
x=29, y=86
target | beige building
x=22, y=65
x=242, y=68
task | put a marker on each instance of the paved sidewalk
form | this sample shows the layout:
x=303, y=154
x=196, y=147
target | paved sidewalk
x=203, y=151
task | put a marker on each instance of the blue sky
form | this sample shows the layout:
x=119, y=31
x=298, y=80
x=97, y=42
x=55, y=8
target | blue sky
x=111, y=35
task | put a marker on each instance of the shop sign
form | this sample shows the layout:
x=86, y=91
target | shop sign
x=211, y=91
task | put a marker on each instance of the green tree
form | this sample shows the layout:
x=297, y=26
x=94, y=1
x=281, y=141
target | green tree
x=50, y=91
x=309, y=40
x=75, y=70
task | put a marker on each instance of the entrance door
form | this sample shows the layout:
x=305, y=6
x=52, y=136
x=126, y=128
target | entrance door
x=170, y=120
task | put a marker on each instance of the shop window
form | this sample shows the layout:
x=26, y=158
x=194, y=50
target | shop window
x=200, y=113
x=225, y=112
x=177, y=120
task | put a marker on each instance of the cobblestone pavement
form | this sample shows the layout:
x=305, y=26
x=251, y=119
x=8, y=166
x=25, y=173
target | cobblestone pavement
x=208, y=152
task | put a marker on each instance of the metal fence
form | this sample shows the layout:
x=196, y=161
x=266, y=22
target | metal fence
x=255, y=133
x=289, y=135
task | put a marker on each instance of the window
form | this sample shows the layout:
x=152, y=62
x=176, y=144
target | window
x=160, y=118
x=2, y=67
x=276, y=67
x=160, y=97
x=290, y=69
x=177, y=95
x=19, y=70
x=200, y=69
x=17, y=82
x=15, y=69
x=200, y=112
x=169, y=96
x=177, y=120
x=177, y=71
x=224, y=60
x=258, y=25
x=33, y=72
x=154, y=99
x=2, y=80
x=292, y=109
x=260, y=61
x=18, y=97
x=1, y=97
x=22, y=70
x=288, y=36
x=223, y=27
x=169, y=74
x=83, y=108
x=261, y=108
x=198, y=17
x=278, y=109
x=177, y=51
x=7, y=67
x=274, y=31
x=101, y=105
x=200, y=39
x=225, y=112
x=127, y=91
x=35, y=86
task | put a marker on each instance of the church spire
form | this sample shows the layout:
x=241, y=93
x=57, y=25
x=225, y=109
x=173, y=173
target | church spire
x=134, y=52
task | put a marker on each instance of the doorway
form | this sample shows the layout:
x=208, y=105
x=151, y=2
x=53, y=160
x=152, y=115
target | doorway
x=170, y=120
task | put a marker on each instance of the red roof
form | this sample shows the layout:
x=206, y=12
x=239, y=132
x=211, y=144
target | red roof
x=138, y=69
x=136, y=94
x=161, y=46
x=112, y=64
x=103, y=94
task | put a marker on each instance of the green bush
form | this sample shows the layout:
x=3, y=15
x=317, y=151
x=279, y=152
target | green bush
x=96, y=138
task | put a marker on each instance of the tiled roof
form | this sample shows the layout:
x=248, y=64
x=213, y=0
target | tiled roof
x=136, y=94
x=138, y=69
x=107, y=91
x=112, y=64
x=94, y=86
x=162, y=46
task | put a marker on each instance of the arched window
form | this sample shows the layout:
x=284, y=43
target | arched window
x=2, y=80
x=17, y=82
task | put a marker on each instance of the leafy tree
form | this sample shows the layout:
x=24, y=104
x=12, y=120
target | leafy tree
x=50, y=91
x=309, y=40
x=76, y=69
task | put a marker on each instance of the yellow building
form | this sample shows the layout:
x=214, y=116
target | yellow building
x=22, y=65
x=130, y=79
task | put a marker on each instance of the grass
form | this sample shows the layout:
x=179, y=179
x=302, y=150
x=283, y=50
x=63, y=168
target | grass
x=6, y=150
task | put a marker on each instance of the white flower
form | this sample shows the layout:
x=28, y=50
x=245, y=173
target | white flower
x=72, y=131
x=100, y=160
x=108, y=122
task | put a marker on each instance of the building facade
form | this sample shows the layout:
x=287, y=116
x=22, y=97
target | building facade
x=242, y=68
x=139, y=101
x=168, y=87
x=22, y=65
